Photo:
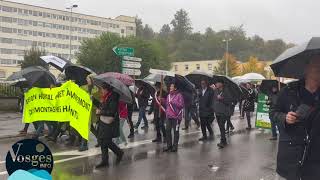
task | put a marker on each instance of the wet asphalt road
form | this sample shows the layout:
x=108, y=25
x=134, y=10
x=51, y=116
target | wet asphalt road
x=249, y=156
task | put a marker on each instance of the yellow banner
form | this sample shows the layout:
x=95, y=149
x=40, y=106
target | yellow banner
x=67, y=103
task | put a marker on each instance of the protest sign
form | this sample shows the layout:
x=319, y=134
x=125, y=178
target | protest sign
x=67, y=103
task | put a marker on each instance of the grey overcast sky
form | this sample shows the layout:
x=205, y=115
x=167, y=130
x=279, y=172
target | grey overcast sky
x=292, y=20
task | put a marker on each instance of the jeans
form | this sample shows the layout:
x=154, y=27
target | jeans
x=248, y=115
x=159, y=123
x=190, y=112
x=39, y=126
x=221, y=122
x=129, y=121
x=205, y=124
x=122, y=137
x=172, y=125
x=273, y=127
x=142, y=115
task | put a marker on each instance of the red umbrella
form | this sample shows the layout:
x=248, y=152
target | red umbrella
x=125, y=79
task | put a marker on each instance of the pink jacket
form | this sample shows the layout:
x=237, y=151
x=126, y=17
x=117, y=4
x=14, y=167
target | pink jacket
x=174, y=105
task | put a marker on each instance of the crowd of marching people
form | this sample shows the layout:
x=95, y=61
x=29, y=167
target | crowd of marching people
x=169, y=107
x=293, y=109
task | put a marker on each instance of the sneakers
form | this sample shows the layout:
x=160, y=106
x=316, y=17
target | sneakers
x=83, y=148
x=221, y=145
x=102, y=165
x=203, y=139
x=168, y=149
x=157, y=140
x=144, y=127
x=131, y=135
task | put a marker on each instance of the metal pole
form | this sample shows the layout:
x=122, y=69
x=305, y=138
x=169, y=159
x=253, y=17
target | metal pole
x=70, y=32
x=227, y=54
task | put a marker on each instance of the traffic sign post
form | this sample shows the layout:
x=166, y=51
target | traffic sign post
x=129, y=58
x=130, y=64
x=123, y=51
x=131, y=72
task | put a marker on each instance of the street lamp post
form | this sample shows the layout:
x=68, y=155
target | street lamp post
x=227, y=53
x=70, y=28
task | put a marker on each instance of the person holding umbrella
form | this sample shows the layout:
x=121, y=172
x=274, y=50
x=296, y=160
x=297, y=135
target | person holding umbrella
x=174, y=108
x=109, y=123
x=222, y=107
x=206, y=111
x=248, y=105
x=297, y=112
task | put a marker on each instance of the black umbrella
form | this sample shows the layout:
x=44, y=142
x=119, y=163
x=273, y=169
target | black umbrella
x=146, y=84
x=196, y=76
x=267, y=85
x=77, y=73
x=183, y=84
x=34, y=76
x=72, y=71
x=117, y=85
x=230, y=86
x=292, y=62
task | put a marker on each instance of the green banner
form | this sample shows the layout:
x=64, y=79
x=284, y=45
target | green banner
x=67, y=103
x=262, y=118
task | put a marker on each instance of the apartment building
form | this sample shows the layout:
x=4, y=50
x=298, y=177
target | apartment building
x=23, y=25
x=186, y=67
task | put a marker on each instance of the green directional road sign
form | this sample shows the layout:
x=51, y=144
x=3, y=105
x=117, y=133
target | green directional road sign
x=123, y=51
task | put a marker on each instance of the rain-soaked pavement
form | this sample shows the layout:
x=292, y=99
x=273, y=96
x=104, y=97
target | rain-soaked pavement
x=249, y=156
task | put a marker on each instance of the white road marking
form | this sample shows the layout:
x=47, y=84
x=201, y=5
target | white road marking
x=96, y=151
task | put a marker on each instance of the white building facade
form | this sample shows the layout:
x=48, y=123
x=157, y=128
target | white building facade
x=22, y=26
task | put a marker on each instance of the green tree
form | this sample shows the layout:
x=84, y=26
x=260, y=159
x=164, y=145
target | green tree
x=148, y=32
x=233, y=66
x=165, y=31
x=97, y=53
x=181, y=25
x=254, y=65
x=139, y=27
x=32, y=58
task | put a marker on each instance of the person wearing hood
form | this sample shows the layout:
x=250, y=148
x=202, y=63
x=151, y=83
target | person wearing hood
x=174, y=109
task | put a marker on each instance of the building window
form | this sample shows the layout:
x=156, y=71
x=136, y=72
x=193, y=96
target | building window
x=210, y=67
x=186, y=67
x=198, y=66
x=2, y=73
x=175, y=68
x=122, y=31
x=6, y=9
